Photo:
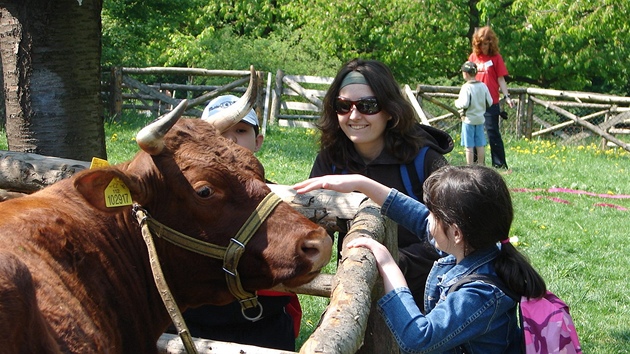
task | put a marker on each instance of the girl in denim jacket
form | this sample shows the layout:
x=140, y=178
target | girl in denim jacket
x=467, y=216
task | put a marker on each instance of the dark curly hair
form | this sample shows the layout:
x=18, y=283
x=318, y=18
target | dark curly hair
x=485, y=34
x=401, y=133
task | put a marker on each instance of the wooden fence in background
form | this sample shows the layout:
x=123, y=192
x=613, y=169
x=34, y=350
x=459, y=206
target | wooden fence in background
x=296, y=100
x=124, y=89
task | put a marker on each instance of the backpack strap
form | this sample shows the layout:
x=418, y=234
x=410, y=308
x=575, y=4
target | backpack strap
x=413, y=173
x=486, y=278
x=342, y=172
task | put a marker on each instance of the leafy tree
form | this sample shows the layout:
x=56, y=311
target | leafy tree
x=418, y=40
x=579, y=45
x=221, y=34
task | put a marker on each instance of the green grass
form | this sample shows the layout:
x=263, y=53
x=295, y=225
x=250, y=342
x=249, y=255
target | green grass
x=581, y=248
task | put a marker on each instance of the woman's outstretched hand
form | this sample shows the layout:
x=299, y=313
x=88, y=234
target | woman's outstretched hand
x=338, y=183
x=345, y=184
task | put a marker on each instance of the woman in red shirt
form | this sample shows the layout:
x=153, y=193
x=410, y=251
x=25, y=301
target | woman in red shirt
x=491, y=71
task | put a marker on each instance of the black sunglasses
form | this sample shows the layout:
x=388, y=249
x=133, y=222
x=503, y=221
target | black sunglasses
x=367, y=105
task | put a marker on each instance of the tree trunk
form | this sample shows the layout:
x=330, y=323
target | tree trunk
x=51, y=54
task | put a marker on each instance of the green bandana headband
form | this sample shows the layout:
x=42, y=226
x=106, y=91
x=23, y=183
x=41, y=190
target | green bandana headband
x=353, y=77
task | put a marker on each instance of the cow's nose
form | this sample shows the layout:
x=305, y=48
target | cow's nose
x=317, y=248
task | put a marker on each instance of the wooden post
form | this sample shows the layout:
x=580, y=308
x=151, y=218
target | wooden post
x=347, y=318
x=115, y=90
x=265, y=116
x=260, y=96
x=529, y=118
x=276, y=97
x=521, y=121
x=603, y=142
x=416, y=106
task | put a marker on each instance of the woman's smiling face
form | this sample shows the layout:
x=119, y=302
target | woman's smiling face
x=366, y=131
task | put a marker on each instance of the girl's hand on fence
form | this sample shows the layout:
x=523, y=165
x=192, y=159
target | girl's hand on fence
x=392, y=275
x=381, y=253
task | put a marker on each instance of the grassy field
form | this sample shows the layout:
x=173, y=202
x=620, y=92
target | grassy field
x=577, y=241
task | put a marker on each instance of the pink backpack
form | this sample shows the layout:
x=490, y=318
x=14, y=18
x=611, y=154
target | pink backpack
x=546, y=322
x=548, y=326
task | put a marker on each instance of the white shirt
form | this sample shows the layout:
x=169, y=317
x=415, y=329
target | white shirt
x=474, y=98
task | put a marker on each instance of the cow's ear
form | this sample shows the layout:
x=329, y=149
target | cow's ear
x=107, y=189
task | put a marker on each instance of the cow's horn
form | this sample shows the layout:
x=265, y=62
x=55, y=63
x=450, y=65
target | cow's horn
x=228, y=117
x=151, y=137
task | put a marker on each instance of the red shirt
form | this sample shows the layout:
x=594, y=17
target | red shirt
x=489, y=69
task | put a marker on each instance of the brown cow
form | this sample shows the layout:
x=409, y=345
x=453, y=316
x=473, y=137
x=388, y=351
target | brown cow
x=75, y=275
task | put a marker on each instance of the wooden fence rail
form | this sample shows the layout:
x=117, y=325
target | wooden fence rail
x=126, y=91
x=296, y=101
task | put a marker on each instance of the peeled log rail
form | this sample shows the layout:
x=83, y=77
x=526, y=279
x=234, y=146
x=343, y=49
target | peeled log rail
x=27, y=173
x=172, y=344
x=320, y=286
x=184, y=71
x=324, y=207
x=344, y=324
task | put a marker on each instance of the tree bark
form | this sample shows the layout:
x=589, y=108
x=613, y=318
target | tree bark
x=51, y=54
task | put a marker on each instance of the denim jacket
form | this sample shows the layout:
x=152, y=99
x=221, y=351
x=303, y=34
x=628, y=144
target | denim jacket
x=477, y=318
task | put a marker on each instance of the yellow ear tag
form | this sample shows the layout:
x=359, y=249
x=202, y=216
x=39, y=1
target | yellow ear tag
x=96, y=163
x=117, y=194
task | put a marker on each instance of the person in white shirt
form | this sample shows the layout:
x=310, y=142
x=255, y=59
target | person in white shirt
x=474, y=98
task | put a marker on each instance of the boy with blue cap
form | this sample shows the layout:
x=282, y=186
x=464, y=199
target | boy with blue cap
x=245, y=133
x=280, y=322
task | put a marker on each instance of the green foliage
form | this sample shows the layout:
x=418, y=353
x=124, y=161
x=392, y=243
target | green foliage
x=579, y=45
x=227, y=51
x=403, y=34
x=216, y=35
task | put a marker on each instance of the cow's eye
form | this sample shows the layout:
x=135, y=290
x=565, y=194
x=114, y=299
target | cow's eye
x=205, y=192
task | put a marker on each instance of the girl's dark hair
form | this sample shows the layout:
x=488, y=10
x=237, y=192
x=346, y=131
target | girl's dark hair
x=485, y=33
x=401, y=133
x=477, y=200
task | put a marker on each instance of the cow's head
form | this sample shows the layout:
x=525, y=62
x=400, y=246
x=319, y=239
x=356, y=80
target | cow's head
x=194, y=181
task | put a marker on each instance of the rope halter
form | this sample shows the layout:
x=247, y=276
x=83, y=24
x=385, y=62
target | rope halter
x=230, y=256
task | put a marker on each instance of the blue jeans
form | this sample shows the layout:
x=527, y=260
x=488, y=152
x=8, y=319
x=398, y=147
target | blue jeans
x=497, y=150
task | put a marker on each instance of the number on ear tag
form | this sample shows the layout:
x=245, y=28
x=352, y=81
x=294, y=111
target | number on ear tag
x=117, y=194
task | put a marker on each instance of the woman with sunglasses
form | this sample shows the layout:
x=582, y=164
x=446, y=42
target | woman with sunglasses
x=491, y=71
x=369, y=128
